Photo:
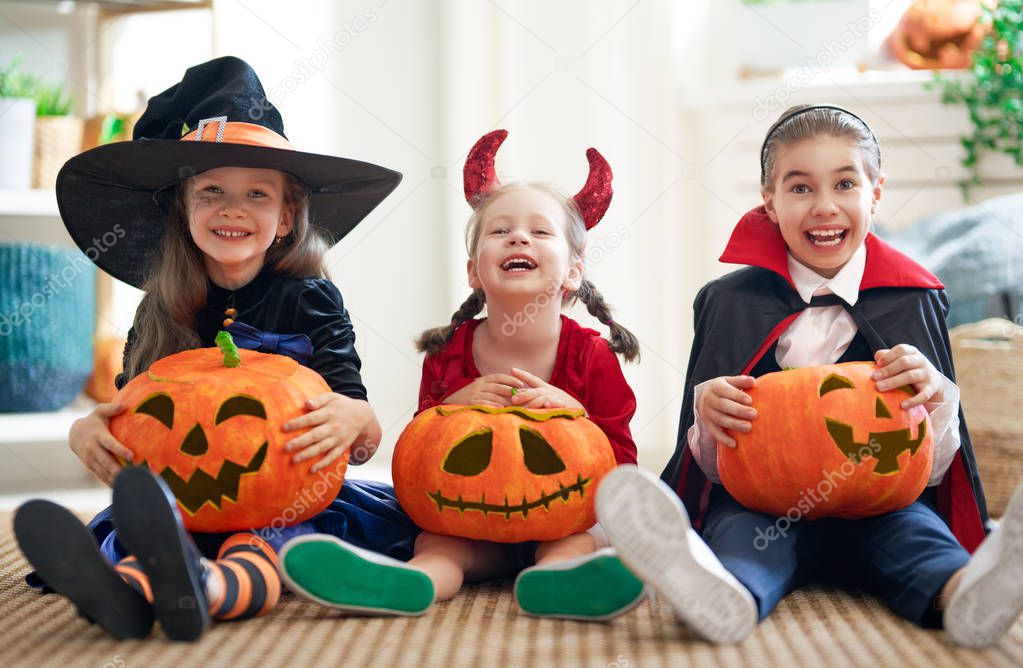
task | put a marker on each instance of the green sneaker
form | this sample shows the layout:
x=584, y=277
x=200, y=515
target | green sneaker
x=594, y=587
x=329, y=571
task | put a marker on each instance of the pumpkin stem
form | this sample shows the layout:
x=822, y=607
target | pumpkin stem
x=230, y=350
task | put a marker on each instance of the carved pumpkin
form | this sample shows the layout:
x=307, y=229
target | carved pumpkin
x=213, y=433
x=938, y=34
x=501, y=474
x=826, y=443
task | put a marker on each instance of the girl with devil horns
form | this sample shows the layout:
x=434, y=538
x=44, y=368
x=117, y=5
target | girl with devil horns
x=819, y=288
x=526, y=245
x=226, y=226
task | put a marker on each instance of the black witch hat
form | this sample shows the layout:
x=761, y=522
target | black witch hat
x=217, y=116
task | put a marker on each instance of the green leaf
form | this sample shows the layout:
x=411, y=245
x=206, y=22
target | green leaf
x=991, y=91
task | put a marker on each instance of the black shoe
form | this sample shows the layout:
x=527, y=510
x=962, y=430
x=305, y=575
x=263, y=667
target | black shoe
x=148, y=524
x=66, y=557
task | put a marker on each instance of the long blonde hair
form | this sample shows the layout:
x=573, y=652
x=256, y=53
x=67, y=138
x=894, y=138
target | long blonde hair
x=622, y=341
x=175, y=289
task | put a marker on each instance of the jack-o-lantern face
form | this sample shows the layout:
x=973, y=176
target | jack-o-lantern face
x=213, y=433
x=825, y=443
x=500, y=474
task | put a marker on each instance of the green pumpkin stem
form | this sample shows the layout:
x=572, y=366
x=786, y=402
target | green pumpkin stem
x=230, y=350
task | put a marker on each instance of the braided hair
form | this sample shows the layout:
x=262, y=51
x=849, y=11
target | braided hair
x=622, y=342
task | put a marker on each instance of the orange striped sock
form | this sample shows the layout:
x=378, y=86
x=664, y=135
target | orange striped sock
x=130, y=571
x=245, y=576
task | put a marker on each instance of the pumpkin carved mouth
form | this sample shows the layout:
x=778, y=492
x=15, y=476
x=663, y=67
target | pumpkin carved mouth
x=202, y=488
x=506, y=509
x=885, y=446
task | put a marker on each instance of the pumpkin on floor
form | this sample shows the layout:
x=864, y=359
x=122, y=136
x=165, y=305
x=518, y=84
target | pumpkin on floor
x=208, y=421
x=501, y=474
x=827, y=443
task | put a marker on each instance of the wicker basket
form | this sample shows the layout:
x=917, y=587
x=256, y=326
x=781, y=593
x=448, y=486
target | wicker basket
x=58, y=138
x=47, y=319
x=989, y=365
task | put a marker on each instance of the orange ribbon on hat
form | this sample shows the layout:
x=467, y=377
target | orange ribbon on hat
x=220, y=130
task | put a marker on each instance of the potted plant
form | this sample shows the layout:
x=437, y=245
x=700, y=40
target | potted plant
x=992, y=91
x=58, y=134
x=18, y=110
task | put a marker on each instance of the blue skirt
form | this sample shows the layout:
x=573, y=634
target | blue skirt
x=365, y=513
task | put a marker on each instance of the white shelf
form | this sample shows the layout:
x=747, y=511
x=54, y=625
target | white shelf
x=28, y=203
x=51, y=427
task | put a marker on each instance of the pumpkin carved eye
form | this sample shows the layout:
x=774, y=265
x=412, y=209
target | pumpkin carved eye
x=160, y=406
x=471, y=455
x=541, y=459
x=240, y=405
x=834, y=382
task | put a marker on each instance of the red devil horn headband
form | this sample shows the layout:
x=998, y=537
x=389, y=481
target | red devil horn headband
x=481, y=179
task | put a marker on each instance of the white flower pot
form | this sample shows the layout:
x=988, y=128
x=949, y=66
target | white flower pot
x=17, y=134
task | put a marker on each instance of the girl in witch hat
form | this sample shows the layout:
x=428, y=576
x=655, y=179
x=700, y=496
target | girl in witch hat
x=526, y=246
x=223, y=225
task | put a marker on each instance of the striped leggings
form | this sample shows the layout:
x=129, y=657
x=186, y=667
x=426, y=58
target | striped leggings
x=241, y=583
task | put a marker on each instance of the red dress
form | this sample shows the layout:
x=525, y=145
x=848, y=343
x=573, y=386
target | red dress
x=585, y=368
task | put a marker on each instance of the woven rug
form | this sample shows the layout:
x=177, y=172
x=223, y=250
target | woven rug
x=482, y=627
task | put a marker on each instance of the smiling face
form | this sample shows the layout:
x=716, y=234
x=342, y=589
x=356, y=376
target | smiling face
x=234, y=214
x=523, y=247
x=822, y=199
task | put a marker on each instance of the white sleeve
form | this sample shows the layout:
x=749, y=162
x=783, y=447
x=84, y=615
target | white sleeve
x=945, y=421
x=702, y=443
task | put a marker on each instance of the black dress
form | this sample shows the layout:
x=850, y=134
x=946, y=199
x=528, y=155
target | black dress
x=305, y=319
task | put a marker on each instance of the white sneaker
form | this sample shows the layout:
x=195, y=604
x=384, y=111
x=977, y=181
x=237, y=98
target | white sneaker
x=649, y=527
x=989, y=598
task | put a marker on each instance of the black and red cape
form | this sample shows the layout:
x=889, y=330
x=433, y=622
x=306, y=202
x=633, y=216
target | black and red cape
x=739, y=317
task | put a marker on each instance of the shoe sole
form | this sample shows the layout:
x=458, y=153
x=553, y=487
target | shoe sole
x=65, y=554
x=993, y=602
x=649, y=529
x=148, y=526
x=599, y=589
x=326, y=570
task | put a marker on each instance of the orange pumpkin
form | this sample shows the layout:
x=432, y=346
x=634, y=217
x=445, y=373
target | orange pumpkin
x=501, y=474
x=935, y=34
x=213, y=433
x=826, y=443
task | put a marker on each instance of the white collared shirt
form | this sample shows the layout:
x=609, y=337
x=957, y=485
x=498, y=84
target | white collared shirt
x=821, y=335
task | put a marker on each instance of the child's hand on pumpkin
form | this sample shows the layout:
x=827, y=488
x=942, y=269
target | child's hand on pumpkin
x=337, y=422
x=494, y=389
x=903, y=365
x=91, y=440
x=723, y=405
x=539, y=394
